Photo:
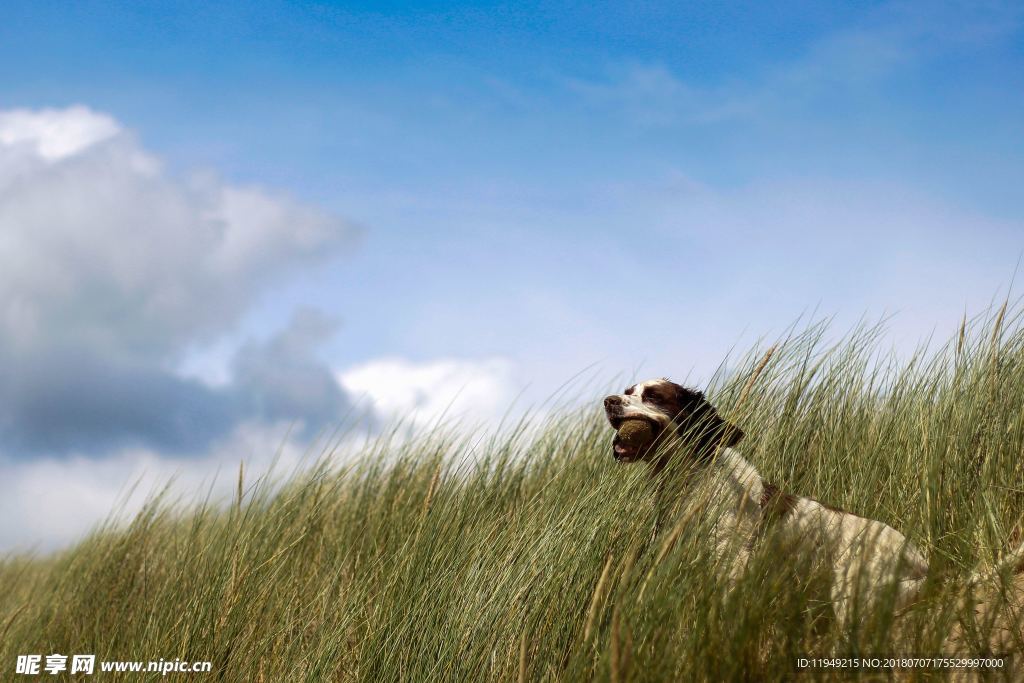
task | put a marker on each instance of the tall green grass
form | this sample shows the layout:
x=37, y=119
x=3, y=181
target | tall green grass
x=529, y=554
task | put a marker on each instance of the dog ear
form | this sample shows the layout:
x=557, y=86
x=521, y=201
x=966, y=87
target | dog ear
x=732, y=435
x=702, y=423
x=717, y=432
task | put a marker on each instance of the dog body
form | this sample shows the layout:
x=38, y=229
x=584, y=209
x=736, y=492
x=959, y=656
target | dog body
x=863, y=554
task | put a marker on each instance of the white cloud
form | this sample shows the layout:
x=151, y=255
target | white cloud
x=55, y=134
x=50, y=502
x=112, y=271
x=477, y=391
x=112, y=253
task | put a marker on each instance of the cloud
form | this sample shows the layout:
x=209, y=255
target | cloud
x=477, y=391
x=112, y=271
x=61, y=401
x=51, y=501
x=48, y=502
x=54, y=134
x=845, y=66
x=652, y=95
x=282, y=379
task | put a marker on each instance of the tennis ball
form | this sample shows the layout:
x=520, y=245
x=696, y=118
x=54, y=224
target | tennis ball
x=636, y=433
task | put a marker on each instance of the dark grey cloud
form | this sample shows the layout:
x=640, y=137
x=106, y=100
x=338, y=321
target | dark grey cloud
x=281, y=379
x=112, y=270
x=67, y=401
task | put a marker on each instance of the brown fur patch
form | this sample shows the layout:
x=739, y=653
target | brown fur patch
x=775, y=503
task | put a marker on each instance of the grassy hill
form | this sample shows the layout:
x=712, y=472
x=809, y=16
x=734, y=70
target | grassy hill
x=530, y=554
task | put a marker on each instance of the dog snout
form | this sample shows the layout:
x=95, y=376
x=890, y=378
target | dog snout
x=612, y=402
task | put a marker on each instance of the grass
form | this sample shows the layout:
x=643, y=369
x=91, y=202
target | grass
x=529, y=554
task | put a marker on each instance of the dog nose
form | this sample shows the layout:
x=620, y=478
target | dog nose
x=610, y=401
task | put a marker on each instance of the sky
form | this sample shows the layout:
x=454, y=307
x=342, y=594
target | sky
x=226, y=227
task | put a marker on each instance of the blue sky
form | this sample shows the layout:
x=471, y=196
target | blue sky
x=467, y=201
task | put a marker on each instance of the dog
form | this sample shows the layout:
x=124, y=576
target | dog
x=863, y=554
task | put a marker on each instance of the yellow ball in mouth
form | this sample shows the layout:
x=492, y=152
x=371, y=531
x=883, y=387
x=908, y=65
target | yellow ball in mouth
x=636, y=434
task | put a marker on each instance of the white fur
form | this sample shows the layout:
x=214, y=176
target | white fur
x=865, y=553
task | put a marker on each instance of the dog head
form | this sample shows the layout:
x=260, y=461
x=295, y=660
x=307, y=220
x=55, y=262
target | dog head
x=673, y=411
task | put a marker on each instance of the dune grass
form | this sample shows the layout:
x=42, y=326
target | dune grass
x=531, y=555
